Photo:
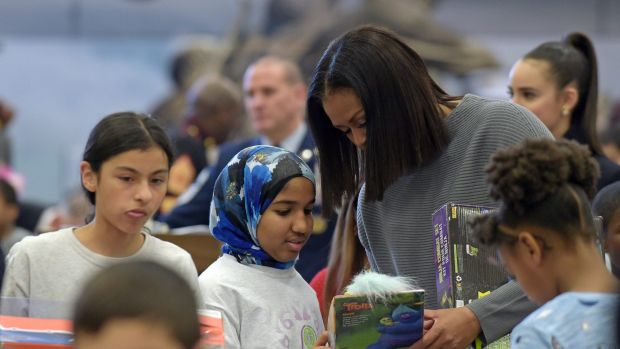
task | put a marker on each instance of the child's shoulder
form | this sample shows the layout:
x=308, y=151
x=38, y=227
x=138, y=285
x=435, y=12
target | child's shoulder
x=223, y=278
x=224, y=268
x=492, y=106
x=158, y=248
x=227, y=272
x=500, y=115
x=567, y=304
x=562, y=318
x=44, y=241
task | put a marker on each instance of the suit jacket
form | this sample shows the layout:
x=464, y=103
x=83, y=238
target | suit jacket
x=193, y=207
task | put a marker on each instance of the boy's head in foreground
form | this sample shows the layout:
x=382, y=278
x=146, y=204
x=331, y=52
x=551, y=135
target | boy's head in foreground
x=136, y=305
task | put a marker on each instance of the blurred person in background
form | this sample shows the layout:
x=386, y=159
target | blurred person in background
x=558, y=82
x=215, y=112
x=186, y=66
x=73, y=210
x=213, y=116
x=606, y=204
x=610, y=143
x=6, y=115
x=9, y=210
x=29, y=212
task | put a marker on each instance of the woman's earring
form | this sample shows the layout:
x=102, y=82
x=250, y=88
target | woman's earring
x=565, y=111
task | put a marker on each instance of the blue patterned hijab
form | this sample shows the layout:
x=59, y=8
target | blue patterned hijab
x=243, y=191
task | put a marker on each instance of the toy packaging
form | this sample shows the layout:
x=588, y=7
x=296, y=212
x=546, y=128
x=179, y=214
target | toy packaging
x=465, y=269
x=356, y=321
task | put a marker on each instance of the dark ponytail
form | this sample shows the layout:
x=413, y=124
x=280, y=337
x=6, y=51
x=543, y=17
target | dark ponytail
x=574, y=60
x=588, y=89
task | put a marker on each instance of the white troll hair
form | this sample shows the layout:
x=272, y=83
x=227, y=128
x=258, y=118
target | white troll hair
x=379, y=287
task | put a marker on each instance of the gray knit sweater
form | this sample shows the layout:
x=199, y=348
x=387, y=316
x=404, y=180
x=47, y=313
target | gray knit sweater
x=397, y=232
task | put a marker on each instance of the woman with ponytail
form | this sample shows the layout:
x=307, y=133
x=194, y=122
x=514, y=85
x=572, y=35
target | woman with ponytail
x=558, y=81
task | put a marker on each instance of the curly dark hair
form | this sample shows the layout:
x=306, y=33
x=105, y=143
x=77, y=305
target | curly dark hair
x=542, y=183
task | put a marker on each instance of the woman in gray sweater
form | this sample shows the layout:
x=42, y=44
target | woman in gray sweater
x=377, y=116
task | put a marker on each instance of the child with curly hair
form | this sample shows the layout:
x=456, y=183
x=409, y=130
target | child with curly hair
x=545, y=234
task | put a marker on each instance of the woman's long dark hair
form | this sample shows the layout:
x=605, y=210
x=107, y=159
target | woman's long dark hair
x=347, y=256
x=404, y=126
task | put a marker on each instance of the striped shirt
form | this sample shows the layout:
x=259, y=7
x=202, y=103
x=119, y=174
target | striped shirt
x=397, y=232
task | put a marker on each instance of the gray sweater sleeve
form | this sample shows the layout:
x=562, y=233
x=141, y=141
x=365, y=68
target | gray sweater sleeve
x=500, y=311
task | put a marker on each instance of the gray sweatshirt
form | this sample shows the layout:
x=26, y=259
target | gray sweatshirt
x=262, y=307
x=46, y=273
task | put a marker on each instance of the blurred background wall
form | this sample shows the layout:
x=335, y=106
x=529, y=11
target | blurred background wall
x=66, y=63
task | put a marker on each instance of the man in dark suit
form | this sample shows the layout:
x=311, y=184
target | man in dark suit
x=274, y=97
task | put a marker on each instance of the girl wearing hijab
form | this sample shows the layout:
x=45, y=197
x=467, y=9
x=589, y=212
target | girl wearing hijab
x=262, y=212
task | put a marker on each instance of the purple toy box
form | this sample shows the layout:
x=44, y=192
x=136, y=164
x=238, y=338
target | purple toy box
x=465, y=270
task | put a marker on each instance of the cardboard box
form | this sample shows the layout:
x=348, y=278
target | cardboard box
x=465, y=270
x=354, y=322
